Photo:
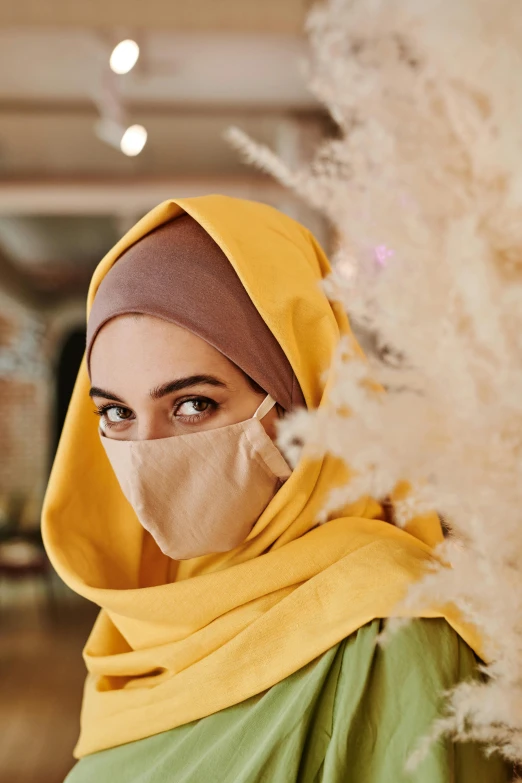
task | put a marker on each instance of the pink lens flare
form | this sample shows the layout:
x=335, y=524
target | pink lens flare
x=382, y=254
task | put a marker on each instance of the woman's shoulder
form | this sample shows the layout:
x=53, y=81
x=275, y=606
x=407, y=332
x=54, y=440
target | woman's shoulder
x=424, y=651
x=428, y=640
x=388, y=696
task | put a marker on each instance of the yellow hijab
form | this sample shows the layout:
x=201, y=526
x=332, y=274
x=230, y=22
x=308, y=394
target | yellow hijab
x=175, y=642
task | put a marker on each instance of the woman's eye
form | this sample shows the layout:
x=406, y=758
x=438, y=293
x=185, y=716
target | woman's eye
x=193, y=407
x=116, y=414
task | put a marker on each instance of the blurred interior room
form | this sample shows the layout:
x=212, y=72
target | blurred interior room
x=91, y=138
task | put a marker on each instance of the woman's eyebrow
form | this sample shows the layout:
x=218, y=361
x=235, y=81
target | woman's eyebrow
x=166, y=388
x=184, y=383
x=97, y=392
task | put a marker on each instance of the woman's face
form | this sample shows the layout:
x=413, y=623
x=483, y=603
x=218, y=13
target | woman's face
x=152, y=379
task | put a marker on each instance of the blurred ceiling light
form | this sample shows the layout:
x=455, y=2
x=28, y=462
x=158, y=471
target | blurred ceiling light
x=129, y=140
x=124, y=56
x=133, y=140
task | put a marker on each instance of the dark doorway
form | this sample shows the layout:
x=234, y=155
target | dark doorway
x=66, y=372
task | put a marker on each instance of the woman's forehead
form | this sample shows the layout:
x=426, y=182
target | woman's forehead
x=150, y=351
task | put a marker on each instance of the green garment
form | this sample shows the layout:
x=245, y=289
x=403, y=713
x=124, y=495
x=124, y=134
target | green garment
x=351, y=716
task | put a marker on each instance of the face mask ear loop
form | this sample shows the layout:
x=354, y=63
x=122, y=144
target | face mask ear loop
x=265, y=407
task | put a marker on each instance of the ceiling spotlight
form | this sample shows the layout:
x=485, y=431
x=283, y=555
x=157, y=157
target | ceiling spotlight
x=124, y=56
x=133, y=140
x=129, y=140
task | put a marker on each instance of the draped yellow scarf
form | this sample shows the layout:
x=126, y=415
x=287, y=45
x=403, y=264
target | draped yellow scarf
x=175, y=642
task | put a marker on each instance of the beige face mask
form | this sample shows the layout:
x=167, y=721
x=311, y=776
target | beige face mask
x=202, y=493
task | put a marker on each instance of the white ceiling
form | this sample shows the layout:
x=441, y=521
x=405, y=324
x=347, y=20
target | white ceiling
x=186, y=90
x=204, y=65
x=45, y=65
x=63, y=144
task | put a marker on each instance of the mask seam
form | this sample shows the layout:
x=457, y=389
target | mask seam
x=259, y=458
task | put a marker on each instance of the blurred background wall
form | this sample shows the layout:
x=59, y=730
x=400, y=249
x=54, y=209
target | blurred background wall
x=67, y=193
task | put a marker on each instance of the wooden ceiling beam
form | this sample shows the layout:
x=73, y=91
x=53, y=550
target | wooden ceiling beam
x=177, y=15
x=123, y=196
x=65, y=106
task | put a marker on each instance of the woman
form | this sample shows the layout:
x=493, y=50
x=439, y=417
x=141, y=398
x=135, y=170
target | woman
x=236, y=640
